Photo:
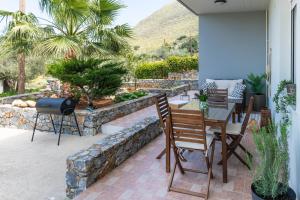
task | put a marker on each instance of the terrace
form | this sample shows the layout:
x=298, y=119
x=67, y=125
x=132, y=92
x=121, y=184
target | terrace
x=240, y=86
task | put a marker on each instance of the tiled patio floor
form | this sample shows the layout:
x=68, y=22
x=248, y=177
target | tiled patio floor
x=142, y=177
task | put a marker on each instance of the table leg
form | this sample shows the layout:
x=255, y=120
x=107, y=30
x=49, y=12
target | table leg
x=224, y=152
x=168, y=150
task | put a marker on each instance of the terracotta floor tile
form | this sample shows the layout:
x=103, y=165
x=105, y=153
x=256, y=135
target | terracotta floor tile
x=143, y=177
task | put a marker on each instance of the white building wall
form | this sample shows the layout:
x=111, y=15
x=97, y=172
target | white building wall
x=280, y=46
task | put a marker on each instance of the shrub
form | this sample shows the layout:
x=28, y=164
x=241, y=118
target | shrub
x=181, y=64
x=161, y=69
x=152, y=70
x=95, y=78
x=130, y=96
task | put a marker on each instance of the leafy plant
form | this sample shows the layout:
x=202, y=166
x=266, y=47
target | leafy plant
x=281, y=99
x=256, y=83
x=182, y=63
x=81, y=27
x=271, y=175
x=94, y=78
x=130, y=96
x=202, y=96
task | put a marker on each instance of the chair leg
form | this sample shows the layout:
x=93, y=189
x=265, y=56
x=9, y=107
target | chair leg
x=176, y=155
x=161, y=154
x=172, y=177
x=240, y=159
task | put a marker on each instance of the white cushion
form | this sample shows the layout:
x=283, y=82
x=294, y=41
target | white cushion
x=191, y=145
x=233, y=129
x=226, y=84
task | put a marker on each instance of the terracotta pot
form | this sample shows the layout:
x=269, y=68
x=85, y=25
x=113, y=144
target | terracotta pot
x=259, y=102
x=266, y=117
x=290, y=195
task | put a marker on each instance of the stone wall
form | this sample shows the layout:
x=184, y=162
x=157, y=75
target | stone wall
x=89, y=122
x=170, y=92
x=87, y=166
x=161, y=84
x=31, y=96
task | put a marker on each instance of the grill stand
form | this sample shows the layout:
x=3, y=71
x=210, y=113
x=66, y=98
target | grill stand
x=61, y=124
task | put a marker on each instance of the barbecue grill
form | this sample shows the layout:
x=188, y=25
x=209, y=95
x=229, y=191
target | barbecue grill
x=55, y=106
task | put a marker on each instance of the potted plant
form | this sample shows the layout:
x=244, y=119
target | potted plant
x=271, y=174
x=257, y=86
x=203, y=105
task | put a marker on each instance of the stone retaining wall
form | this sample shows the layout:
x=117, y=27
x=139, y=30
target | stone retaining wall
x=170, y=92
x=89, y=122
x=161, y=83
x=31, y=96
x=87, y=166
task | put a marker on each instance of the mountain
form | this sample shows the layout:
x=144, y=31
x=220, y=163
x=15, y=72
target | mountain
x=166, y=24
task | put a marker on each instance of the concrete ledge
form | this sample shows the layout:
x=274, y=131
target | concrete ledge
x=87, y=166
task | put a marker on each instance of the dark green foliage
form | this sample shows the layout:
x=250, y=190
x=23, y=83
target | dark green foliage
x=161, y=69
x=95, y=78
x=182, y=63
x=202, y=96
x=130, y=96
x=272, y=169
x=256, y=83
x=152, y=70
x=281, y=100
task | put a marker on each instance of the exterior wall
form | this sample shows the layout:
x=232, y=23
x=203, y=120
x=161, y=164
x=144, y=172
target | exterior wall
x=280, y=62
x=232, y=45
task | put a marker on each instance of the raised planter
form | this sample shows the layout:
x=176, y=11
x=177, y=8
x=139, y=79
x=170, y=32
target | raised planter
x=87, y=166
x=89, y=122
x=170, y=92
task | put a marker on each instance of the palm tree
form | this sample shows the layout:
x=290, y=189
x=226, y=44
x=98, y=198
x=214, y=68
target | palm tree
x=83, y=27
x=19, y=37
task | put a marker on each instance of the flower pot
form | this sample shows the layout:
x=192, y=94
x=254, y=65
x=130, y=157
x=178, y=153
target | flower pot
x=289, y=195
x=291, y=89
x=203, y=105
x=259, y=102
x=266, y=117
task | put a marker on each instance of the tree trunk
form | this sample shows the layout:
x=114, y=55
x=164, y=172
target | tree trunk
x=22, y=5
x=21, y=75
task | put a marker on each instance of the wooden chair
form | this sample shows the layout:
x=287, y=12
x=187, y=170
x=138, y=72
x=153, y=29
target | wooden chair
x=236, y=132
x=187, y=131
x=163, y=110
x=217, y=98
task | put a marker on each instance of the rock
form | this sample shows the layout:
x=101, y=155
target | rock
x=30, y=103
x=19, y=103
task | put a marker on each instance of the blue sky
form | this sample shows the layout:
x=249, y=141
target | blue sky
x=135, y=11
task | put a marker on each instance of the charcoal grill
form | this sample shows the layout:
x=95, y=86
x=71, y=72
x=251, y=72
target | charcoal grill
x=55, y=106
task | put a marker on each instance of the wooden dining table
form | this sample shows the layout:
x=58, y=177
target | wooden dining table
x=216, y=117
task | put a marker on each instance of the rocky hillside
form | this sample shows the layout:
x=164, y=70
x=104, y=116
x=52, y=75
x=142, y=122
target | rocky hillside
x=166, y=24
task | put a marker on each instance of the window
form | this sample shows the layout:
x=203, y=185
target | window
x=294, y=28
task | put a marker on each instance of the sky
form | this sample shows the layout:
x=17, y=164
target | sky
x=135, y=11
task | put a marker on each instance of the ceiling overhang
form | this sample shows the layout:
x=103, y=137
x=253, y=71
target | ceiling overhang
x=200, y=7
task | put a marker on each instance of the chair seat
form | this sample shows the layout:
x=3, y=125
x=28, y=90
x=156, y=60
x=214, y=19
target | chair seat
x=196, y=146
x=233, y=129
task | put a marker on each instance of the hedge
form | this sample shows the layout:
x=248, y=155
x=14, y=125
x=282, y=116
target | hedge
x=152, y=70
x=181, y=64
x=161, y=69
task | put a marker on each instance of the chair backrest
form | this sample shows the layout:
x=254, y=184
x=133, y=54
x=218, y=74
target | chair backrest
x=187, y=126
x=247, y=117
x=217, y=98
x=163, y=109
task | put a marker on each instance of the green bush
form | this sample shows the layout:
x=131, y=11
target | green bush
x=93, y=78
x=161, y=69
x=152, y=70
x=181, y=64
x=130, y=96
